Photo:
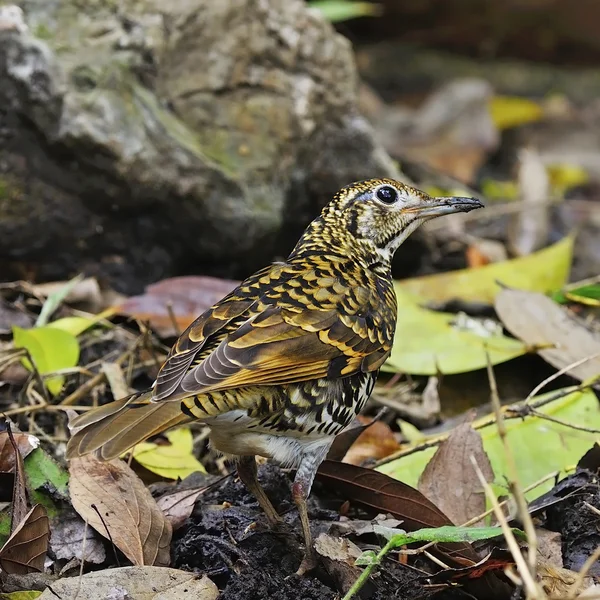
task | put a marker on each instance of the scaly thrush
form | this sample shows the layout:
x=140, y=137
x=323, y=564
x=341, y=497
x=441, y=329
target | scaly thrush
x=283, y=363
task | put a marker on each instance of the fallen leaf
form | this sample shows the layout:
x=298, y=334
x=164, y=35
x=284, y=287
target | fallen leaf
x=375, y=442
x=183, y=297
x=67, y=541
x=343, y=441
x=338, y=556
x=85, y=291
x=430, y=342
x=51, y=349
x=544, y=271
x=24, y=595
x=135, y=583
x=174, y=460
x=25, y=550
x=540, y=446
x=538, y=321
x=529, y=228
x=386, y=495
x=76, y=325
x=19, y=491
x=582, y=294
x=178, y=506
x=26, y=443
x=512, y=111
x=450, y=480
x=126, y=511
x=116, y=380
x=336, y=11
x=55, y=299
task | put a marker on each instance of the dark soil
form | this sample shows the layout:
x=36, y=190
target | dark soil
x=577, y=523
x=228, y=538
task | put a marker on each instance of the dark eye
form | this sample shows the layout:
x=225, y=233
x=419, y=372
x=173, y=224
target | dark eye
x=387, y=194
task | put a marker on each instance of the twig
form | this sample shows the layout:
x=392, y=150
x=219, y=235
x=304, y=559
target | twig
x=511, y=411
x=528, y=579
x=513, y=482
x=562, y=371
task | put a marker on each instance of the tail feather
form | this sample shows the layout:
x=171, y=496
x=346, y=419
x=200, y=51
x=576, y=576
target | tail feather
x=115, y=427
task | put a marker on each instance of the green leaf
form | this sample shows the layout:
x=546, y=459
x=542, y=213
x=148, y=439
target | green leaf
x=44, y=473
x=428, y=342
x=53, y=301
x=74, y=325
x=343, y=10
x=540, y=446
x=449, y=534
x=174, y=460
x=585, y=294
x=544, y=271
x=367, y=558
x=23, y=595
x=51, y=349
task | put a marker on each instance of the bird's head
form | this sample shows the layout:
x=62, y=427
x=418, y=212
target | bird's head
x=382, y=213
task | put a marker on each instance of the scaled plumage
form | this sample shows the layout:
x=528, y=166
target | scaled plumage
x=283, y=363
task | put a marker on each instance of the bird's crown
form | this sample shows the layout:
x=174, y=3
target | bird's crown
x=375, y=216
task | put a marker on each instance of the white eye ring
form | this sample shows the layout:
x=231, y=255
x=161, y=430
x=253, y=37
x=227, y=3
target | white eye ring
x=387, y=194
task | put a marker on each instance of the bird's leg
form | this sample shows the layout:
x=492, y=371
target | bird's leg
x=248, y=473
x=300, y=492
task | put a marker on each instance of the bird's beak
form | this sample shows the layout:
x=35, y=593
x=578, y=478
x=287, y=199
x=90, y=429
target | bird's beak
x=436, y=207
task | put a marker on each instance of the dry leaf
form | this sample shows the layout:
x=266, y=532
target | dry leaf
x=376, y=441
x=529, y=228
x=116, y=380
x=25, y=550
x=179, y=505
x=134, y=583
x=539, y=321
x=183, y=298
x=127, y=509
x=380, y=492
x=19, y=493
x=449, y=479
x=67, y=541
x=25, y=443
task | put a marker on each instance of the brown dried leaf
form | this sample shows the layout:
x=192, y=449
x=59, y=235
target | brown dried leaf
x=539, y=321
x=25, y=550
x=343, y=441
x=127, y=510
x=183, y=297
x=178, y=506
x=380, y=492
x=25, y=443
x=147, y=583
x=12, y=456
x=375, y=442
x=449, y=479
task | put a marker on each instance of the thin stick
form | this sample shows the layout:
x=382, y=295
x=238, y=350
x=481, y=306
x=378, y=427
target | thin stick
x=513, y=546
x=513, y=482
x=554, y=376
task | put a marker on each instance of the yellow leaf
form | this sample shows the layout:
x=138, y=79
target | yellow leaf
x=512, y=111
x=51, y=350
x=563, y=176
x=544, y=271
x=172, y=461
x=430, y=342
x=540, y=446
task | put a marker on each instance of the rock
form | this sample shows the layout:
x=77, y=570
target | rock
x=161, y=139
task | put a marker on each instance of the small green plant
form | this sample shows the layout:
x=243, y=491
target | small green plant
x=397, y=538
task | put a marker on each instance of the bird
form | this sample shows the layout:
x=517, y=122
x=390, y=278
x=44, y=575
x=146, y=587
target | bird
x=283, y=363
